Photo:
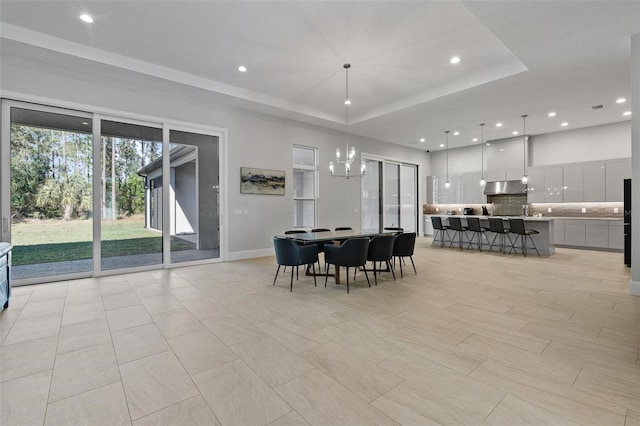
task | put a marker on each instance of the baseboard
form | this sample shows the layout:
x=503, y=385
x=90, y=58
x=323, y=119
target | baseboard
x=634, y=288
x=249, y=254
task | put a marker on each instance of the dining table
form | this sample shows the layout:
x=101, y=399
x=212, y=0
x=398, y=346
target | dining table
x=333, y=237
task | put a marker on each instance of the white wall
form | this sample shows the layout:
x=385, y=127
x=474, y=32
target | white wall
x=254, y=139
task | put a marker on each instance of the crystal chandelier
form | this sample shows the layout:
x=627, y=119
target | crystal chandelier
x=350, y=151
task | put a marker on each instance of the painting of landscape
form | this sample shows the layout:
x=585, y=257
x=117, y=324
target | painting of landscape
x=261, y=181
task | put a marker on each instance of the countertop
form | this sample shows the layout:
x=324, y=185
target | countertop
x=533, y=218
x=4, y=248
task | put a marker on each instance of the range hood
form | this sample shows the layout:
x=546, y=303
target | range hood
x=505, y=187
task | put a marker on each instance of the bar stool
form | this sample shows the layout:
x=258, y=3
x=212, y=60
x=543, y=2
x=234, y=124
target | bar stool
x=496, y=225
x=439, y=228
x=473, y=225
x=455, y=224
x=517, y=228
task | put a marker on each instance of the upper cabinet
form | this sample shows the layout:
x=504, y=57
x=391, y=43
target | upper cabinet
x=573, y=183
x=594, y=182
x=553, y=192
x=535, y=185
x=615, y=174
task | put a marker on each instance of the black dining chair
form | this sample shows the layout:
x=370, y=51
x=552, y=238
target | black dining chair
x=496, y=225
x=321, y=230
x=288, y=253
x=344, y=228
x=381, y=250
x=455, y=224
x=295, y=231
x=478, y=232
x=517, y=227
x=403, y=246
x=351, y=254
x=394, y=228
x=439, y=229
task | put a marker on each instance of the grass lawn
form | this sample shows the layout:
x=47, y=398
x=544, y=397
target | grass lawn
x=44, y=241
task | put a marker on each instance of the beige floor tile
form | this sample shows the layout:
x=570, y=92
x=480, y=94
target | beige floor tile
x=130, y=316
x=618, y=339
x=154, y=383
x=226, y=389
x=42, y=308
x=83, y=335
x=292, y=341
x=27, y=358
x=138, y=342
x=590, y=353
x=193, y=411
x=410, y=405
x=615, y=390
x=254, y=311
x=291, y=419
x=24, y=400
x=472, y=396
x=18, y=302
x=557, y=329
x=200, y=350
x=3, y=334
x=188, y=292
x=322, y=401
x=514, y=411
x=109, y=289
x=361, y=377
x=633, y=418
x=621, y=321
x=49, y=291
x=80, y=313
x=120, y=300
x=83, y=370
x=162, y=303
x=273, y=363
x=176, y=323
x=205, y=307
x=103, y=406
x=150, y=290
x=32, y=329
x=373, y=348
x=8, y=317
x=83, y=296
x=231, y=328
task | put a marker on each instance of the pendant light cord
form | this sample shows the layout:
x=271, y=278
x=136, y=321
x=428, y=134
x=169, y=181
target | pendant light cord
x=524, y=144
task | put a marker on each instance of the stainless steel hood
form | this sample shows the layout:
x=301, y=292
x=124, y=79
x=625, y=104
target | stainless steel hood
x=505, y=187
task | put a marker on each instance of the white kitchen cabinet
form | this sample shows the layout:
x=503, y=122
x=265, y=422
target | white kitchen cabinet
x=558, y=229
x=472, y=192
x=616, y=234
x=428, y=226
x=594, y=183
x=573, y=183
x=597, y=233
x=553, y=185
x=574, y=232
x=496, y=175
x=535, y=191
x=615, y=173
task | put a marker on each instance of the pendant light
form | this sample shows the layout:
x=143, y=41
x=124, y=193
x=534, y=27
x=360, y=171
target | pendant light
x=447, y=184
x=483, y=181
x=350, y=151
x=525, y=179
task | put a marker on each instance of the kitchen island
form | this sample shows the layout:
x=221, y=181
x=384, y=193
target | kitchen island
x=544, y=241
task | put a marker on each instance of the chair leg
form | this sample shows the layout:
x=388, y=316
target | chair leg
x=534, y=245
x=291, y=285
x=313, y=267
x=367, y=275
x=278, y=270
x=326, y=276
x=347, y=279
x=413, y=264
x=401, y=275
x=297, y=271
x=392, y=272
x=375, y=275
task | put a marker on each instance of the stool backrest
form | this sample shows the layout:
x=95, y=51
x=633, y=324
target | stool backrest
x=436, y=221
x=517, y=226
x=496, y=225
x=455, y=223
x=473, y=223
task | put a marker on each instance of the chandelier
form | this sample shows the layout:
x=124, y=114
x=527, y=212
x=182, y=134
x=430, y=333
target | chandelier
x=350, y=151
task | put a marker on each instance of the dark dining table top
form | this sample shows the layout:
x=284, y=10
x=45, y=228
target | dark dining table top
x=314, y=237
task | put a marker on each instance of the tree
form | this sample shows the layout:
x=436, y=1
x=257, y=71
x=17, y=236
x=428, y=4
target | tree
x=71, y=194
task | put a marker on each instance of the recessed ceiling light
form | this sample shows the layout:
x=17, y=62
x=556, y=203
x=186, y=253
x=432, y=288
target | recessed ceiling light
x=498, y=124
x=456, y=133
x=441, y=145
x=242, y=68
x=86, y=18
x=454, y=60
x=501, y=149
x=422, y=139
x=488, y=144
x=474, y=140
x=552, y=114
x=626, y=113
x=564, y=124
x=347, y=102
x=85, y=123
x=621, y=100
x=515, y=132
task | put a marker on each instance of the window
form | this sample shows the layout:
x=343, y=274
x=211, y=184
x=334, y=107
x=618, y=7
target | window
x=305, y=199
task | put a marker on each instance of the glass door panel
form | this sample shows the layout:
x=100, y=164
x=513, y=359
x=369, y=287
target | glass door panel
x=194, y=204
x=408, y=207
x=391, y=195
x=371, y=209
x=50, y=192
x=131, y=168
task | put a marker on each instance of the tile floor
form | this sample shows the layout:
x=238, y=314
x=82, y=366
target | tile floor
x=473, y=338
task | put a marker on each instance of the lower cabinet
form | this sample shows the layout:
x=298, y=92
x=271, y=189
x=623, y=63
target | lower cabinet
x=558, y=231
x=590, y=233
x=574, y=232
x=597, y=233
x=616, y=234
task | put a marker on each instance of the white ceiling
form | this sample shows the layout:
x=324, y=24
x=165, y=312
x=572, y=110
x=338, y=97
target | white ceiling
x=517, y=57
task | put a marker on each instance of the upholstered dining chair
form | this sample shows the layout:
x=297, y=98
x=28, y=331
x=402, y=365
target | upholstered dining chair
x=403, y=246
x=381, y=250
x=288, y=253
x=351, y=254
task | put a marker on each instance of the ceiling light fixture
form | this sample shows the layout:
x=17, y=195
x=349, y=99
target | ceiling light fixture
x=474, y=140
x=515, y=132
x=350, y=152
x=626, y=113
x=483, y=181
x=454, y=60
x=498, y=124
x=525, y=179
x=564, y=124
x=242, y=68
x=422, y=139
x=447, y=184
x=456, y=133
x=441, y=145
x=621, y=100
x=86, y=18
x=551, y=114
